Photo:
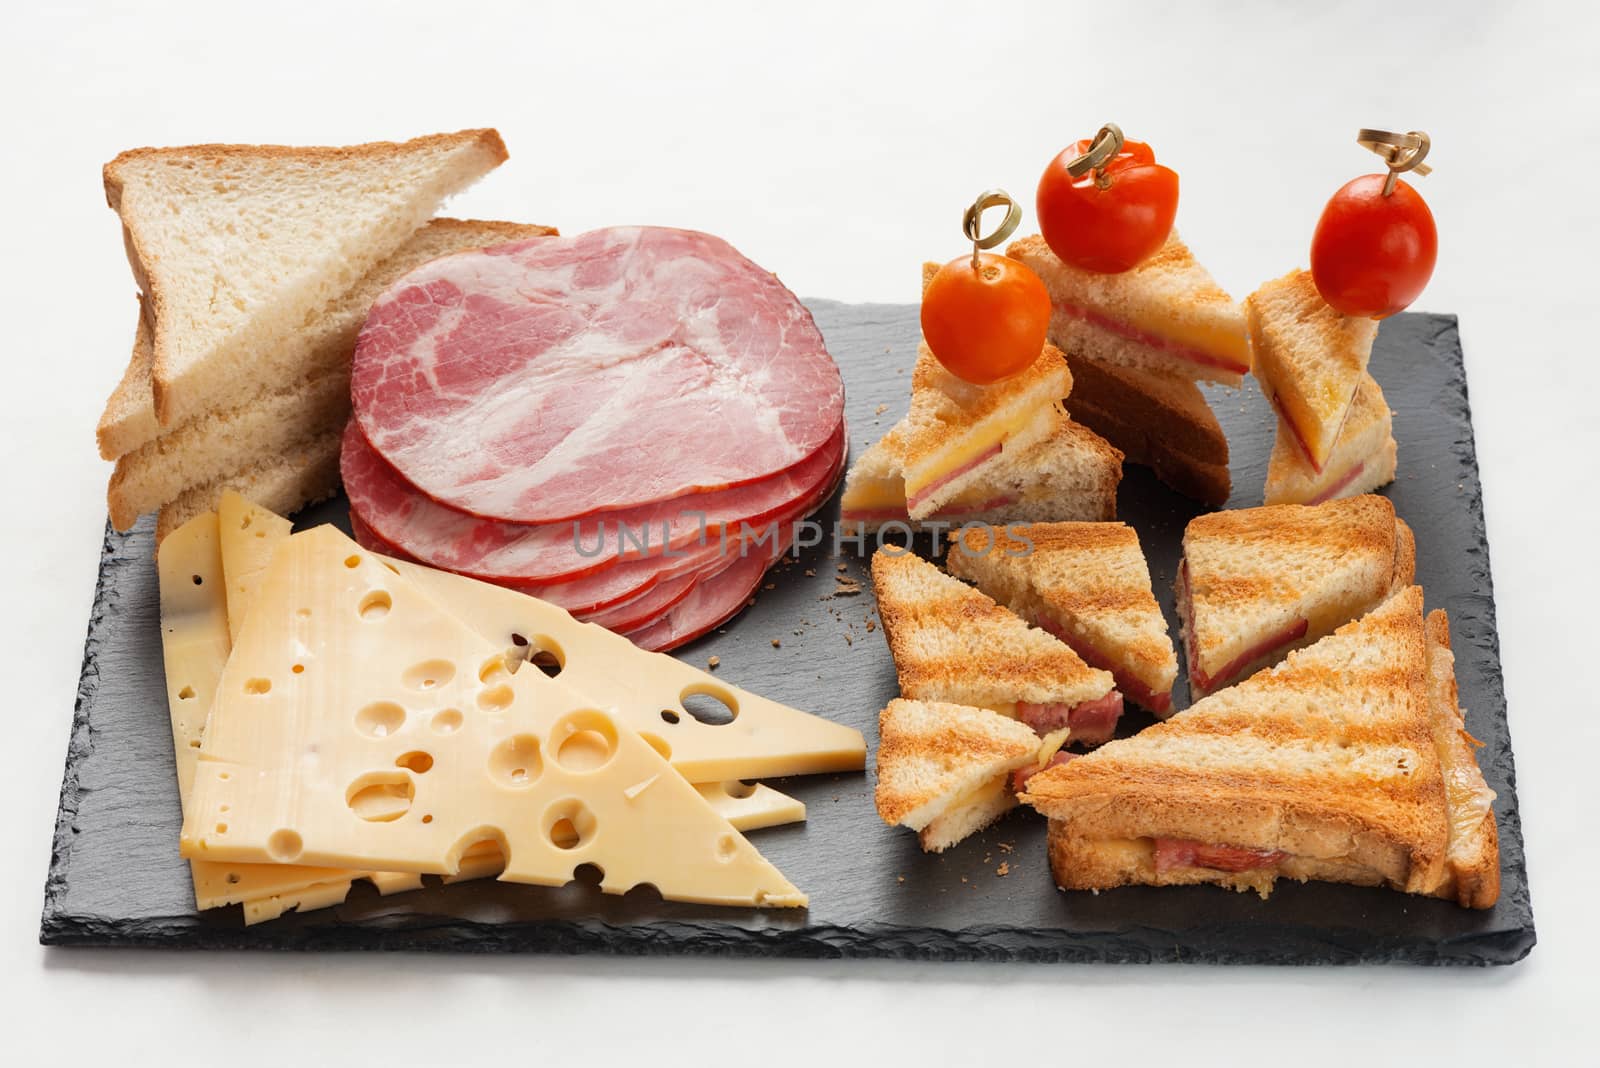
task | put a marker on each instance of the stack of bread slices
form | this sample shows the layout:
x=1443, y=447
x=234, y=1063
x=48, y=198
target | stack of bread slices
x=256, y=266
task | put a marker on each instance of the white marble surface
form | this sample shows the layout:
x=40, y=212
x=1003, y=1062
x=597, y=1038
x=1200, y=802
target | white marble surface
x=836, y=144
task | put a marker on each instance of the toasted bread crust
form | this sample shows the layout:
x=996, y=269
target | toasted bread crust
x=929, y=752
x=951, y=643
x=1472, y=866
x=1331, y=758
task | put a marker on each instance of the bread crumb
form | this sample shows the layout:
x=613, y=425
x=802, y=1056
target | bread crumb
x=899, y=878
x=811, y=573
x=881, y=409
x=770, y=586
x=1006, y=847
x=1003, y=870
x=713, y=662
x=776, y=644
x=848, y=640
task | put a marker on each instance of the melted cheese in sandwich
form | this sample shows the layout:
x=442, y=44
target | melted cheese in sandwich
x=985, y=438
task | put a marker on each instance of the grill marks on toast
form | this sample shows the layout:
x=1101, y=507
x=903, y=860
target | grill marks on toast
x=1334, y=757
x=952, y=643
x=1089, y=579
x=930, y=753
x=1253, y=572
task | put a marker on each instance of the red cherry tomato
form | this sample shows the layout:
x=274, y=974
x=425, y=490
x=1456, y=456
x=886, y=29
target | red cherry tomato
x=1372, y=255
x=1108, y=230
x=988, y=322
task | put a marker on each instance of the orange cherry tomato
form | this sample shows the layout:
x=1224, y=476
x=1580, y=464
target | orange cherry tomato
x=988, y=322
x=1113, y=229
x=1372, y=255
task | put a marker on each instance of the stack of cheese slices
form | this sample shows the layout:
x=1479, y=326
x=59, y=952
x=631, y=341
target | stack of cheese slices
x=256, y=266
x=462, y=729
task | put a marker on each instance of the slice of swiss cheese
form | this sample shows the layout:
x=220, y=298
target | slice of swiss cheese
x=250, y=535
x=647, y=690
x=357, y=725
x=195, y=645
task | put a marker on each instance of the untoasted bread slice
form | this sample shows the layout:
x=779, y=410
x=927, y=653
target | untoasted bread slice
x=1309, y=359
x=956, y=432
x=1071, y=475
x=277, y=419
x=1326, y=767
x=944, y=769
x=239, y=246
x=1086, y=583
x=952, y=643
x=1159, y=420
x=1363, y=459
x=1258, y=582
x=129, y=421
x=1167, y=315
x=282, y=484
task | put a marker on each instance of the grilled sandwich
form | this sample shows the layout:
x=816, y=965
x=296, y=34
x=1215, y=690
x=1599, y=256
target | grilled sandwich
x=1258, y=582
x=1363, y=458
x=1167, y=315
x=1161, y=421
x=1089, y=585
x=1309, y=360
x=1072, y=474
x=1348, y=763
x=947, y=771
x=951, y=643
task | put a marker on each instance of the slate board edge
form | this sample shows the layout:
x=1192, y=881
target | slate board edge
x=59, y=928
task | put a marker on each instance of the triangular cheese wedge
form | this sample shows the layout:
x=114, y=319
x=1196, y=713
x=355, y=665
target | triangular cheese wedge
x=654, y=694
x=237, y=246
x=1347, y=763
x=1308, y=358
x=250, y=536
x=944, y=769
x=1086, y=583
x=195, y=646
x=1258, y=582
x=952, y=643
x=359, y=725
x=752, y=807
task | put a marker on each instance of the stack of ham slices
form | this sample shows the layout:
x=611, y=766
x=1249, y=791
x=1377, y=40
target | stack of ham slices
x=629, y=424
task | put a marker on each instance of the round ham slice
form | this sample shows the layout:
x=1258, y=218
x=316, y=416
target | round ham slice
x=554, y=552
x=713, y=601
x=555, y=378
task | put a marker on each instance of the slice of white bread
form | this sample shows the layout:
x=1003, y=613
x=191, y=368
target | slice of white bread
x=1308, y=358
x=1347, y=763
x=1086, y=583
x=943, y=769
x=1072, y=474
x=282, y=484
x=1363, y=459
x=1145, y=317
x=951, y=642
x=1159, y=420
x=275, y=419
x=1258, y=582
x=238, y=247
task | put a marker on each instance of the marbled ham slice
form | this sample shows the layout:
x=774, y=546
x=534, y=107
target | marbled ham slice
x=557, y=552
x=712, y=602
x=551, y=379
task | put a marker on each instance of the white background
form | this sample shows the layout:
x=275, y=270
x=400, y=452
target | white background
x=837, y=145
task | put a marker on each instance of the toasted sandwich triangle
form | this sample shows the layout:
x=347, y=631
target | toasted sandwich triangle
x=1086, y=583
x=1336, y=765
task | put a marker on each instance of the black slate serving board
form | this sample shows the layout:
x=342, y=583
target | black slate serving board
x=116, y=879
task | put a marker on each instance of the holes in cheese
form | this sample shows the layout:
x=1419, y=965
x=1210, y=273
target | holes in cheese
x=284, y=845
x=380, y=719
x=375, y=605
x=714, y=707
x=428, y=674
x=516, y=762
x=584, y=742
x=257, y=686
x=381, y=796
x=496, y=698
x=446, y=722
x=416, y=761
x=658, y=743
x=569, y=824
